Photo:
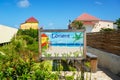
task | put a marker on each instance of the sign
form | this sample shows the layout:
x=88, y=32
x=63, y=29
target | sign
x=62, y=43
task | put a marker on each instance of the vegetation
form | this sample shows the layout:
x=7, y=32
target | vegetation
x=69, y=77
x=106, y=29
x=118, y=23
x=77, y=25
x=19, y=60
x=30, y=32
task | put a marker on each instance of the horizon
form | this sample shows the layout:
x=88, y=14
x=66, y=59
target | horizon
x=55, y=14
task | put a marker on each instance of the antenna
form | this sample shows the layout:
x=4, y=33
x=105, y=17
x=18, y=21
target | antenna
x=69, y=21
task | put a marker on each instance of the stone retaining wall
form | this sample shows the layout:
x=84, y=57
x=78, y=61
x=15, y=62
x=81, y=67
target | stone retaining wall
x=106, y=60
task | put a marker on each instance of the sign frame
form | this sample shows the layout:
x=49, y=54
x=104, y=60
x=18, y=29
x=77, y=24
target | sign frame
x=62, y=30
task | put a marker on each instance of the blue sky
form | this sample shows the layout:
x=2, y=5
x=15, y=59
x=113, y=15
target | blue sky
x=55, y=14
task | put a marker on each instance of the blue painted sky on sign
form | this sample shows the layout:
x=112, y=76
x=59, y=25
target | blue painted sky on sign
x=65, y=37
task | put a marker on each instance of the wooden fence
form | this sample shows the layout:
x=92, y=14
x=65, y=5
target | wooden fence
x=106, y=41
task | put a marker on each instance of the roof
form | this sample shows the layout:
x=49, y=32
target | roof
x=6, y=33
x=31, y=20
x=88, y=23
x=44, y=35
x=107, y=21
x=87, y=17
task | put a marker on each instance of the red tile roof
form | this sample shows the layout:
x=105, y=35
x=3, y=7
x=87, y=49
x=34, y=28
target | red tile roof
x=87, y=17
x=44, y=35
x=31, y=20
x=88, y=23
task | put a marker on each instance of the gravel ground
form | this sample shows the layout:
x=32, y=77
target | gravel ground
x=106, y=74
x=101, y=74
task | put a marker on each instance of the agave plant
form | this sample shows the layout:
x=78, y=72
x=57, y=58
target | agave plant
x=76, y=54
x=56, y=54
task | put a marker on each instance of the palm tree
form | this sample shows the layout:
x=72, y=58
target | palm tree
x=118, y=23
x=77, y=37
x=76, y=25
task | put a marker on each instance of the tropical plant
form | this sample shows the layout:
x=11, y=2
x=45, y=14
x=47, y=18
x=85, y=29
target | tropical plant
x=69, y=78
x=17, y=62
x=106, y=29
x=56, y=54
x=71, y=68
x=64, y=55
x=118, y=23
x=30, y=32
x=15, y=68
x=76, y=54
x=77, y=25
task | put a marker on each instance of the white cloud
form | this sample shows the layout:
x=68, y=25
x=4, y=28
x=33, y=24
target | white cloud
x=51, y=24
x=23, y=3
x=16, y=26
x=98, y=3
x=67, y=24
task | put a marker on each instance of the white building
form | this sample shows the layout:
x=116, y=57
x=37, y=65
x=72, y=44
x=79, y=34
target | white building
x=6, y=33
x=93, y=24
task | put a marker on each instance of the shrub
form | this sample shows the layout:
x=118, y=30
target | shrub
x=28, y=39
x=33, y=47
x=117, y=22
x=106, y=29
x=18, y=64
x=69, y=77
x=77, y=25
x=30, y=32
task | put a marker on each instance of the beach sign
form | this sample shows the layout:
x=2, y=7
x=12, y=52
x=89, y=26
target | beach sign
x=62, y=43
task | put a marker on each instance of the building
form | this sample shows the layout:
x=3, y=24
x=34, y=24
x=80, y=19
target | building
x=94, y=24
x=30, y=23
x=44, y=41
x=6, y=33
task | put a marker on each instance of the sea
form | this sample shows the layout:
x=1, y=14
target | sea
x=68, y=45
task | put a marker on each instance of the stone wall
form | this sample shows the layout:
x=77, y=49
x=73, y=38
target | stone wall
x=106, y=60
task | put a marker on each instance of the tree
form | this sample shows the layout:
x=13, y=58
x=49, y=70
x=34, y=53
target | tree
x=118, y=23
x=76, y=25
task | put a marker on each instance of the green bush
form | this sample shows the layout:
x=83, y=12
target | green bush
x=77, y=25
x=19, y=69
x=18, y=62
x=106, y=29
x=33, y=47
x=69, y=77
x=30, y=32
x=46, y=66
x=117, y=22
x=72, y=68
x=28, y=39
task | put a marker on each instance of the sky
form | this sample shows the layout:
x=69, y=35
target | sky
x=55, y=14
